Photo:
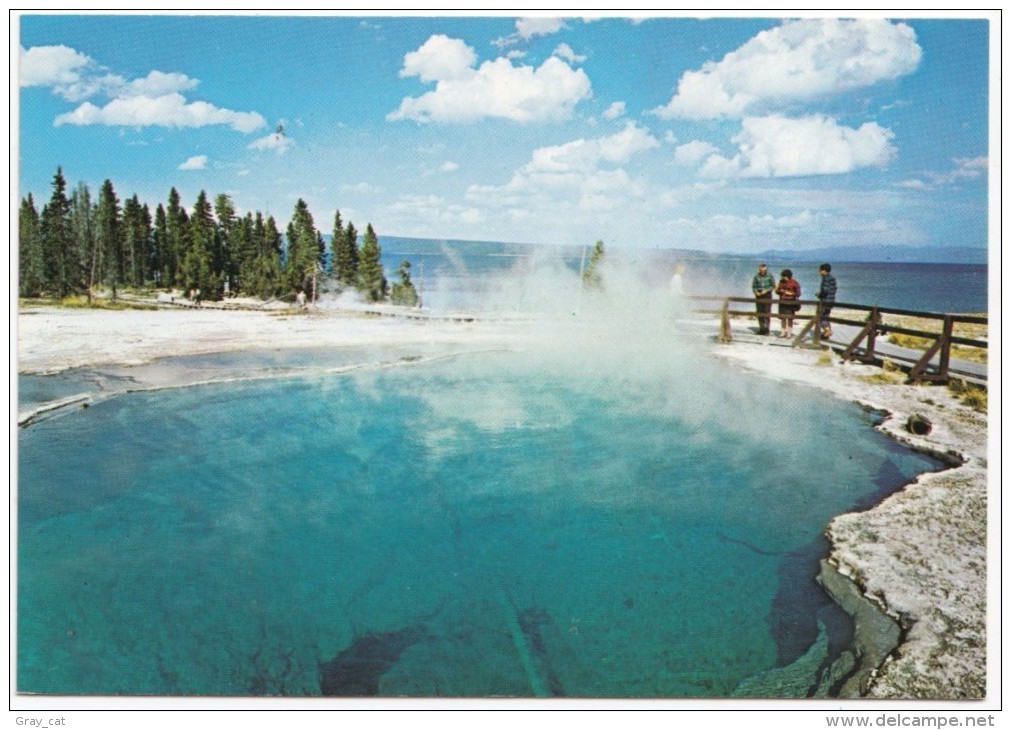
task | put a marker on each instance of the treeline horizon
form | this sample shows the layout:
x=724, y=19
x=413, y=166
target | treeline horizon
x=76, y=247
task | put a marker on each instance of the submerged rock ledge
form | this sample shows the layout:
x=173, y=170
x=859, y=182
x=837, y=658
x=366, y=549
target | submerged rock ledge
x=918, y=558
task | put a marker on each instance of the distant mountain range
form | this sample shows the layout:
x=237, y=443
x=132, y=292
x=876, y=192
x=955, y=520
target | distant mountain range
x=871, y=253
x=876, y=254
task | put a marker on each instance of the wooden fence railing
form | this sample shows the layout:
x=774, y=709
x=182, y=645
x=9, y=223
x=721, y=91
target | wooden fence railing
x=863, y=346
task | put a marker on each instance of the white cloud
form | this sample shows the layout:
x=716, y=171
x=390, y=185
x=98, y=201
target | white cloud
x=798, y=61
x=579, y=175
x=154, y=99
x=197, y=162
x=494, y=89
x=564, y=51
x=440, y=58
x=529, y=27
x=277, y=141
x=158, y=83
x=581, y=155
x=170, y=110
x=449, y=166
x=430, y=215
x=964, y=169
x=777, y=146
x=614, y=111
x=69, y=74
x=52, y=66
x=692, y=153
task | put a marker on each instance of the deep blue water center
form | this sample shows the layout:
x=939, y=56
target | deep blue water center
x=467, y=527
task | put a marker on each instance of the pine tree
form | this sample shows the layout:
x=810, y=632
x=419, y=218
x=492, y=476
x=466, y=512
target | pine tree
x=336, y=245
x=136, y=242
x=242, y=252
x=223, y=255
x=303, y=249
x=82, y=220
x=591, y=274
x=31, y=267
x=177, y=223
x=197, y=265
x=59, y=246
x=349, y=256
x=371, y=278
x=108, y=255
x=403, y=291
x=162, y=265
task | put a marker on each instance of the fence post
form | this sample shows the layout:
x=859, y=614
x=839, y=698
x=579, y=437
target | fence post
x=942, y=367
x=870, y=331
x=725, y=337
x=872, y=336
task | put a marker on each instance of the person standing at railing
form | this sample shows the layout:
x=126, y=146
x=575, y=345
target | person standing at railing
x=762, y=285
x=788, y=290
x=826, y=295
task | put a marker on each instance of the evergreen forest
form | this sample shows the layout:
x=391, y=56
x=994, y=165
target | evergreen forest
x=78, y=245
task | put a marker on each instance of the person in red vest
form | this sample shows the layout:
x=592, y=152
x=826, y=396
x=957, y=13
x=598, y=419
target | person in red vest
x=788, y=290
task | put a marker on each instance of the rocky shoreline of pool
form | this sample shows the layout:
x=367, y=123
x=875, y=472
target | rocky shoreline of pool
x=911, y=571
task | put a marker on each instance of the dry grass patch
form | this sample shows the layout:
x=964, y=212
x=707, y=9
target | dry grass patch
x=971, y=395
x=79, y=301
x=960, y=329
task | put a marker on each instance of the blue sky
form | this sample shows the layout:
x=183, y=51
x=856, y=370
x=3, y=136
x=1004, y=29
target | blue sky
x=727, y=134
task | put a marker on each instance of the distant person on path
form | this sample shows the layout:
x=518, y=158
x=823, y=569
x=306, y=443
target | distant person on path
x=300, y=299
x=788, y=290
x=826, y=295
x=762, y=285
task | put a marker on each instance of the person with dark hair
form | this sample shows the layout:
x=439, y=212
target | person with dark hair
x=788, y=290
x=826, y=295
x=762, y=285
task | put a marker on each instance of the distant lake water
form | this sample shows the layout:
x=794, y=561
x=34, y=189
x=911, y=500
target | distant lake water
x=466, y=270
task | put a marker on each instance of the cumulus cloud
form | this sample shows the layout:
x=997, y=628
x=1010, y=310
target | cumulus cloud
x=565, y=52
x=52, y=66
x=197, y=162
x=170, y=110
x=799, y=61
x=157, y=83
x=449, y=166
x=494, y=89
x=614, y=111
x=692, y=153
x=440, y=58
x=277, y=141
x=529, y=27
x=583, y=155
x=583, y=172
x=154, y=99
x=778, y=146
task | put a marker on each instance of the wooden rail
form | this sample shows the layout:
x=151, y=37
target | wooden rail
x=863, y=346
